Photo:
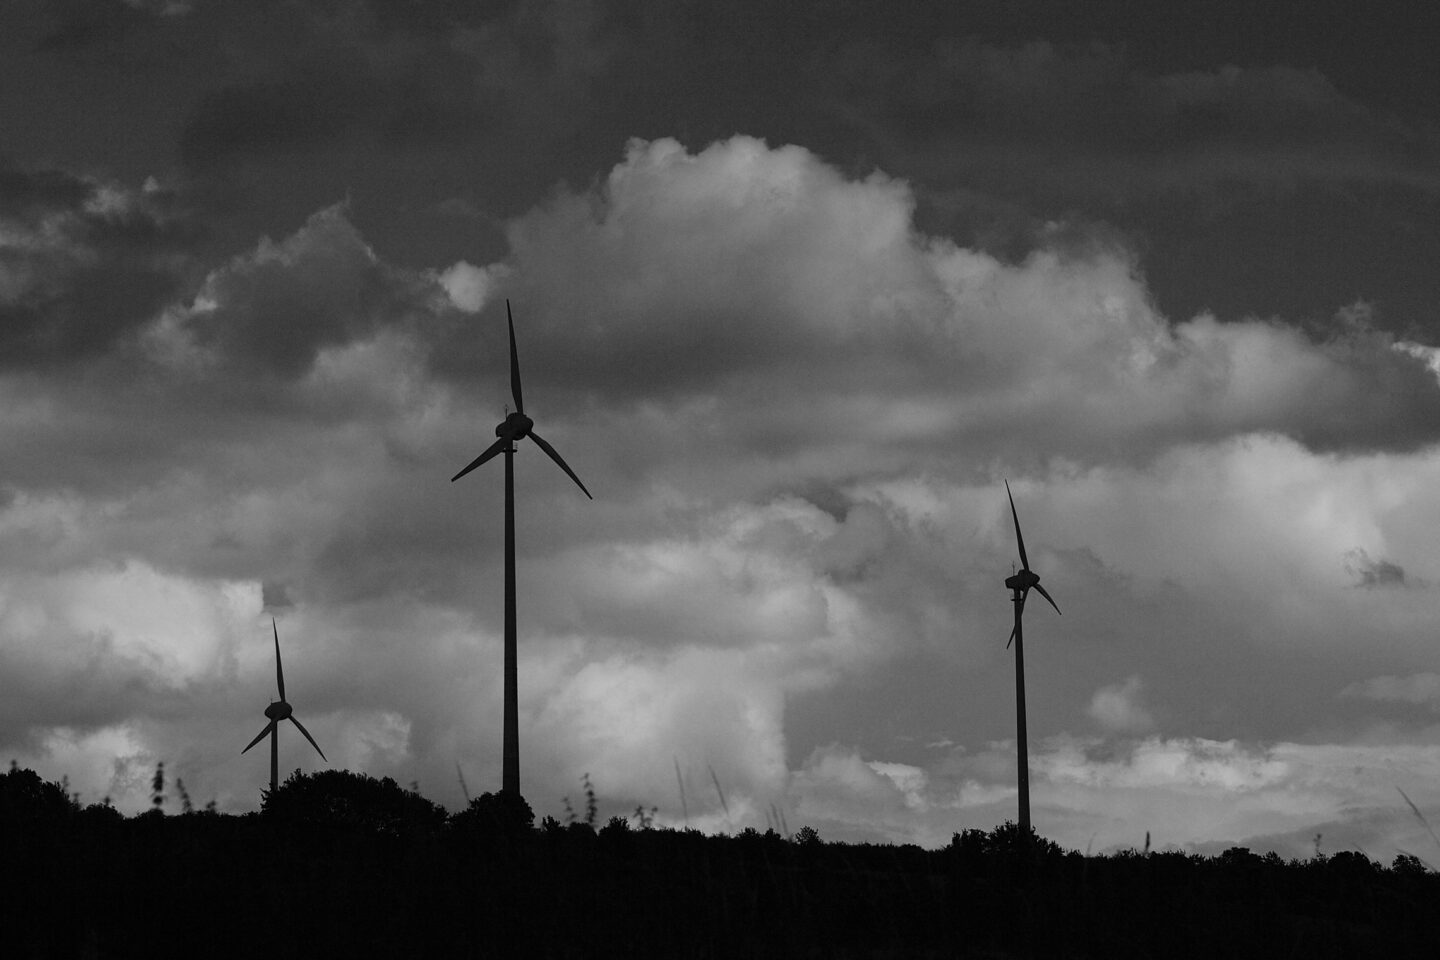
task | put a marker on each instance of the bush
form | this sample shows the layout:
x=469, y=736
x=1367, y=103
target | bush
x=807, y=836
x=1407, y=864
x=354, y=800
x=495, y=815
x=101, y=814
x=25, y=797
x=1351, y=863
x=1006, y=842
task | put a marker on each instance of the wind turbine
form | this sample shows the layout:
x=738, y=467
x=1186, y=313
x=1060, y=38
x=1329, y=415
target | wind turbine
x=277, y=711
x=516, y=426
x=1020, y=584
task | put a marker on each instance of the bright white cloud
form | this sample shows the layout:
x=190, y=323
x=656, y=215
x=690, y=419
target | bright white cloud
x=467, y=285
x=1188, y=793
x=1117, y=707
x=834, y=331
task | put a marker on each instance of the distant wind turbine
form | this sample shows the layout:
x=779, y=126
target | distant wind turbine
x=1020, y=585
x=278, y=711
x=515, y=426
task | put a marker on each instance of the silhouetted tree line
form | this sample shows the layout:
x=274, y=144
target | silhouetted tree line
x=342, y=864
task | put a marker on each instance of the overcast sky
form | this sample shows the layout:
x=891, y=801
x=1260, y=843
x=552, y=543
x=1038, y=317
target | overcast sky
x=796, y=286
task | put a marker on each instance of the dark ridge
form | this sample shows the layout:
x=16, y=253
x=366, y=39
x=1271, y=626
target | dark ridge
x=339, y=864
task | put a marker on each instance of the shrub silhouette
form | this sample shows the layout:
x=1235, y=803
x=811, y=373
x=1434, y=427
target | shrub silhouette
x=25, y=797
x=353, y=800
x=807, y=836
x=101, y=814
x=1351, y=863
x=495, y=815
x=1407, y=864
x=1005, y=843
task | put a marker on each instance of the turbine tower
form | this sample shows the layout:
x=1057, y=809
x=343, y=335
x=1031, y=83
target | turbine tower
x=1020, y=585
x=276, y=712
x=516, y=426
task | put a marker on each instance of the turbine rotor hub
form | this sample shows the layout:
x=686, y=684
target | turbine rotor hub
x=279, y=710
x=1022, y=581
x=516, y=425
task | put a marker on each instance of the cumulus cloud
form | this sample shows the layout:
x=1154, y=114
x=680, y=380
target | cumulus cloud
x=278, y=307
x=810, y=300
x=467, y=285
x=1117, y=707
x=794, y=407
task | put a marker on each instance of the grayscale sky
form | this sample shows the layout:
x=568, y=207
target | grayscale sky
x=796, y=287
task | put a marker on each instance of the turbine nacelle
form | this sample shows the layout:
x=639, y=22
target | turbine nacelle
x=1022, y=581
x=279, y=710
x=516, y=426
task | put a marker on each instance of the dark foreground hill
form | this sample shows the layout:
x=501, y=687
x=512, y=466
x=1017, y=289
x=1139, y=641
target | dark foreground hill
x=341, y=865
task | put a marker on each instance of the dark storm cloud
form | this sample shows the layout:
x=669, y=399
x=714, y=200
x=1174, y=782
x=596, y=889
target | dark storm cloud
x=1082, y=125
x=275, y=116
x=83, y=263
x=363, y=75
x=32, y=194
x=232, y=351
x=435, y=16
x=84, y=23
x=276, y=308
x=1261, y=170
x=1417, y=688
x=1276, y=185
x=1373, y=572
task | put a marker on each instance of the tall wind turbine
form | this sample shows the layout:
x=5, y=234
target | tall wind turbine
x=278, y=711
x=1020, y=585
x=516, y=426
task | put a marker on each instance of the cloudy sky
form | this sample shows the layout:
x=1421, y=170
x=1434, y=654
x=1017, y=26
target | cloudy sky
x=796, y=287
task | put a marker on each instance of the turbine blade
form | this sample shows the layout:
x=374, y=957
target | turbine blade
x=500, y=444
x=279, y=671
x=514, y=363
x=1013, y=631
x=556, y=457
x=259, y=736
x=1024, y=561
x=1047, y=597
x=310, y=738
